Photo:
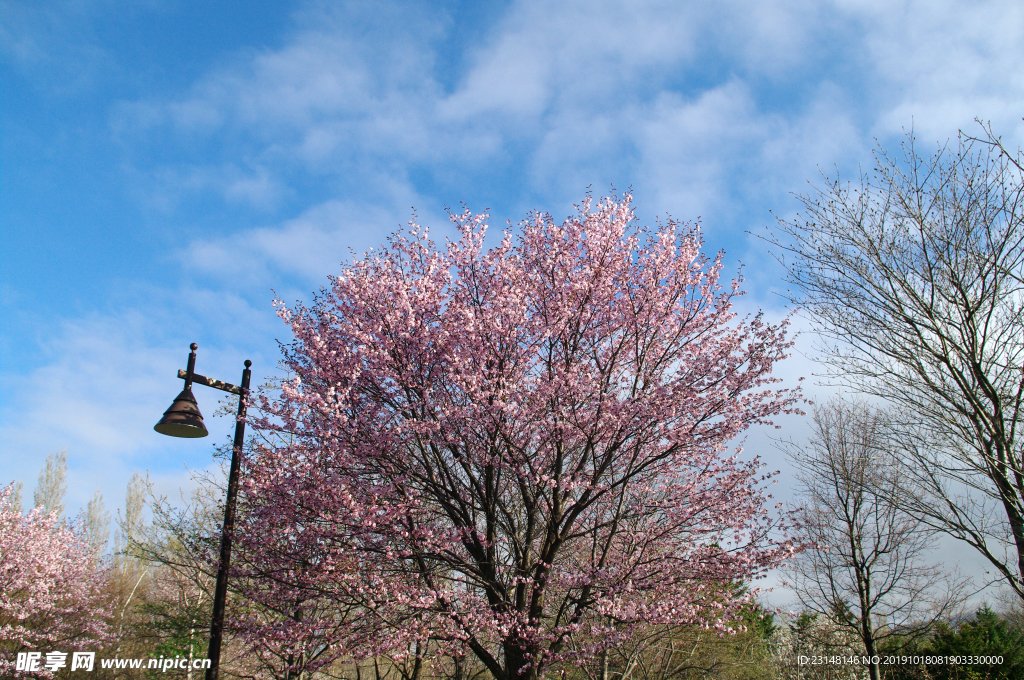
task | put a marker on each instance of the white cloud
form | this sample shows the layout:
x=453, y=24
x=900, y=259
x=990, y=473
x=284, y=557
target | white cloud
x=309, y=246
x=689, y=147
x=54, y=45
x=676, y=99
x=943, y=63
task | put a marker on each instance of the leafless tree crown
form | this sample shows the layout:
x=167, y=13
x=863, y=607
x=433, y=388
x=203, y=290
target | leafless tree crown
x=915, y=277
x=865, y=565
x=53, y=483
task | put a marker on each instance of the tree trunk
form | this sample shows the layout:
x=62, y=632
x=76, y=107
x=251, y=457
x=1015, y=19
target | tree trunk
x=516, y=659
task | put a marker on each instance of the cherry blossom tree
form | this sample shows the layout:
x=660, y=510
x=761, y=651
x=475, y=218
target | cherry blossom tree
x=51, y=592
x=516, y=454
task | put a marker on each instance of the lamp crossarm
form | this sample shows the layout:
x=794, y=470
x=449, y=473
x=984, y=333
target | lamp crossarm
x=210, y=382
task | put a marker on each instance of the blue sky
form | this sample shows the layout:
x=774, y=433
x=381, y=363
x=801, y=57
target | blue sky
x=166, y=165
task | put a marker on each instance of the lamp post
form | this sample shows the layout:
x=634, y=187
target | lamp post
x=183, y=419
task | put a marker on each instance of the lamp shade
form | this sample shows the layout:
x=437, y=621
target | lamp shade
x=183, y=418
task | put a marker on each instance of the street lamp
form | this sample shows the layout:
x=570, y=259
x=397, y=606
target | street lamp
x=183, y=419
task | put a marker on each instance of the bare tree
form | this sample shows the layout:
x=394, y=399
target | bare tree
x=16, y=496
x=96, y=524
x=814, y=635
x=863, y=567
x=53, y=483
x=130, y=527
x=175, y=610
x=686, y=653
x=914, y=277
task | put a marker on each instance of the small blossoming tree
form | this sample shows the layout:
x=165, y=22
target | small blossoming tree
x=51, y=592
x=517, y=454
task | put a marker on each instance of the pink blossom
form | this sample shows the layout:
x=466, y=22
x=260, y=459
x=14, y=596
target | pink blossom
x=51, y=590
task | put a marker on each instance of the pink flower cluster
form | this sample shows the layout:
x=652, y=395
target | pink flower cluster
x=51, y=589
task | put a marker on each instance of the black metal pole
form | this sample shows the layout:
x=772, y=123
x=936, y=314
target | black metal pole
x=191, y=365
x=221, y=592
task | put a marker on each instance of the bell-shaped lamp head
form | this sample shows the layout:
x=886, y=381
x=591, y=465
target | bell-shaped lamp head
x=183, y=418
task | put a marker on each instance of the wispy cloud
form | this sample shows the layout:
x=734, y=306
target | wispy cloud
x=55, y=45
x=680, y=98
x=308, y=247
